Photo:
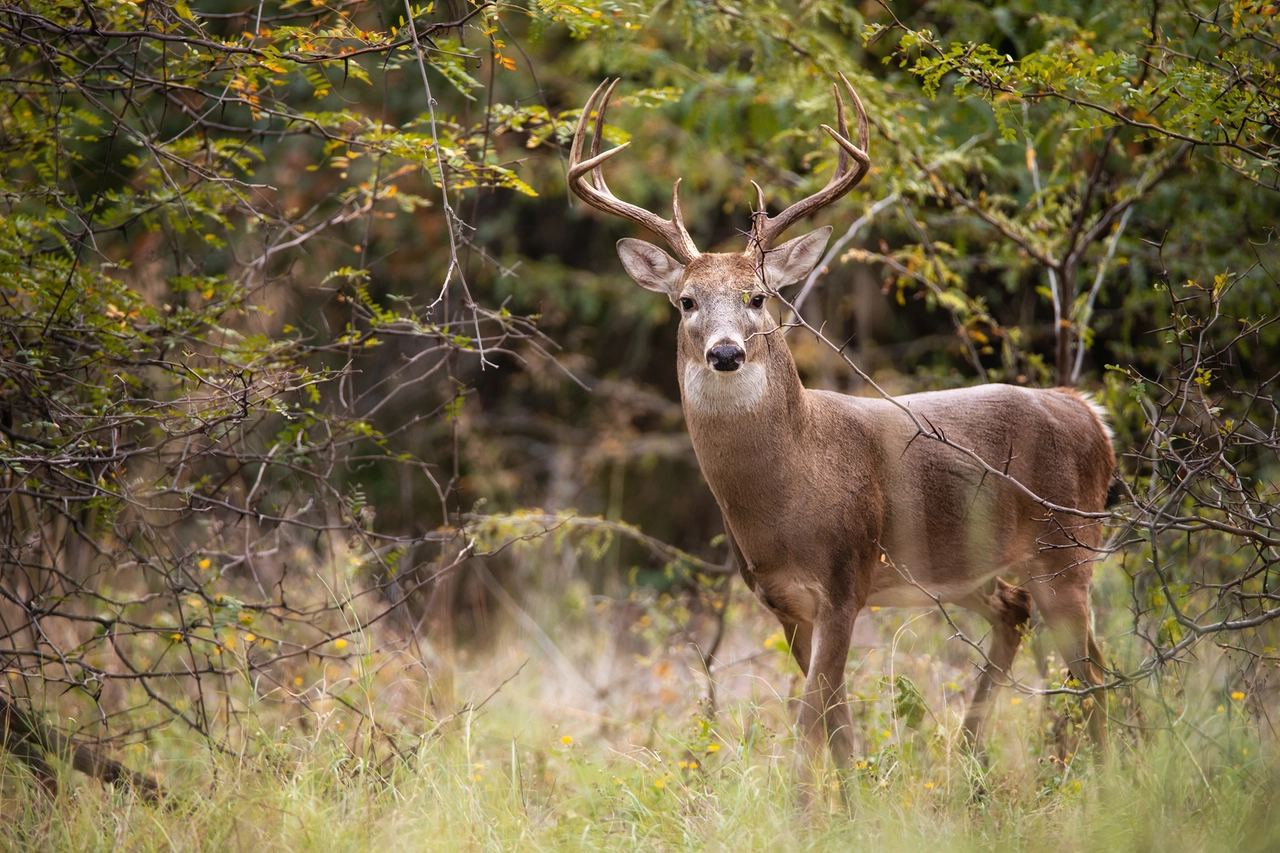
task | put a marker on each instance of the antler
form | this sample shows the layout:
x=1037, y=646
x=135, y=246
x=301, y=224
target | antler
x=596, y=193
x=765, y=229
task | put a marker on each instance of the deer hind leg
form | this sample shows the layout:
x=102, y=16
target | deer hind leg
x=1060, y=587
x=1008, y=609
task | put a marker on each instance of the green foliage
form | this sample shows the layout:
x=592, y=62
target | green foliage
x=167, y=434
x=283, y=291
x=908, y=702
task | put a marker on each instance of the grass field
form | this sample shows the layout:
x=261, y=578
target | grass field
x=595, y=735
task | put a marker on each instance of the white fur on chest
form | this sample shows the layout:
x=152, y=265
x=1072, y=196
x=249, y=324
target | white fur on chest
x=714, y=392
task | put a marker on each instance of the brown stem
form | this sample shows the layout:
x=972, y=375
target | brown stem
x=32, y=742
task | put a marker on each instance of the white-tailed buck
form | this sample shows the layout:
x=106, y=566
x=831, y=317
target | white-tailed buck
x=834, y=503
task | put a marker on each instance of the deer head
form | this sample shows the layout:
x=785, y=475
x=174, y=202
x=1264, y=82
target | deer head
x=721, y=297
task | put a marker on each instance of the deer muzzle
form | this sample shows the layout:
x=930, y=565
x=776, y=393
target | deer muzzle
x=726, y=356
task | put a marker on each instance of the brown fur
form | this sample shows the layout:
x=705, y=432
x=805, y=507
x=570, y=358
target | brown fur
x=833, y=503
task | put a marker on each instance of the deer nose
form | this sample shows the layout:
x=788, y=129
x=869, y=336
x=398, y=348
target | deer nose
x=726, y=357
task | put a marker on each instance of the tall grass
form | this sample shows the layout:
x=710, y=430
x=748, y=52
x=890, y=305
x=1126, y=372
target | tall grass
x=617, y=750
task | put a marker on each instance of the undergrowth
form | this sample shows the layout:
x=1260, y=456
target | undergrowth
x=620, y=750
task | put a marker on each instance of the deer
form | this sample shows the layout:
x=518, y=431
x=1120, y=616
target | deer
x=988, y=498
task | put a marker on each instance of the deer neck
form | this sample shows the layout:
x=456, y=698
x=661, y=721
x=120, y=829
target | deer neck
x=745, y=424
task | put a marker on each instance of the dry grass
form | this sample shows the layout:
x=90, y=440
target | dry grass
x=604, y=740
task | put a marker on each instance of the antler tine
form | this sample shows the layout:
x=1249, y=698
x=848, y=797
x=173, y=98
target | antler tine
x=864, y=132
x=586, y=179
x=842, y=162
x=597, y=174
x=580, y=132
x=677, y=218
x=759, y=216
x=765, y=229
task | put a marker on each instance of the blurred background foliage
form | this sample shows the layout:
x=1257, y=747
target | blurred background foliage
x=296, y=291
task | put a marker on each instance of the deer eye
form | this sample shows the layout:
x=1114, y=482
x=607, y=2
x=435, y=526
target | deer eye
x=686, y=303
x=757, y=301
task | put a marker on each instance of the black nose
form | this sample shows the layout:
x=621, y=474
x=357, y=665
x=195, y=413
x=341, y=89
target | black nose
x=726, y=357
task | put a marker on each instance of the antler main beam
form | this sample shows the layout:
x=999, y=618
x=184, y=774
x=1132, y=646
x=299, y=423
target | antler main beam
x=587, y=180
x=765, y=229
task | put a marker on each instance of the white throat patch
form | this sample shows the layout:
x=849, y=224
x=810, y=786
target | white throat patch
x=713, y=392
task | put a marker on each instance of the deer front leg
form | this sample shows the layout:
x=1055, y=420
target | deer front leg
x=824, y=711
x=798, y=633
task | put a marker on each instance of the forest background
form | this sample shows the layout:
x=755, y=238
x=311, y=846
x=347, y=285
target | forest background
x=344, y=470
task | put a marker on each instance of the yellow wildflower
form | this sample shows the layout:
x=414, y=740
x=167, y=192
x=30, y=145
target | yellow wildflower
x=339, y=644
x=715, y=747
x=1237, y=696
x=566, y=740
x=205, y=563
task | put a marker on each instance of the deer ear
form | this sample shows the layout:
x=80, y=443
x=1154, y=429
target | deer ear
x=651, y=267
x=795, y=259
